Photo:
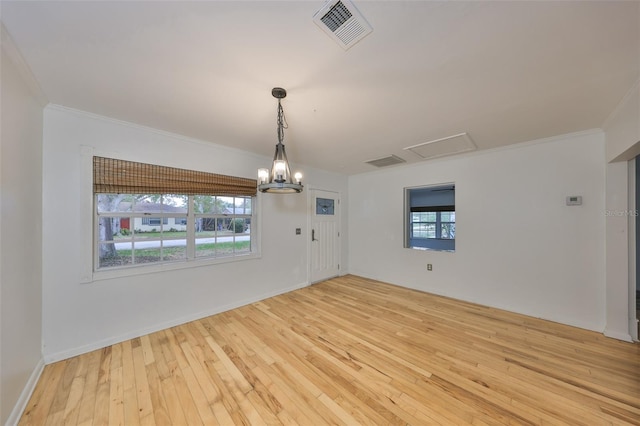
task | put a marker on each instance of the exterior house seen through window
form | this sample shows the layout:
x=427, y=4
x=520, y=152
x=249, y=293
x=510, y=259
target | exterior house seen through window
x=430, y=217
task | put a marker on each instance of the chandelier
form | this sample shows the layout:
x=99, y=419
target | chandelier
x=278, y=180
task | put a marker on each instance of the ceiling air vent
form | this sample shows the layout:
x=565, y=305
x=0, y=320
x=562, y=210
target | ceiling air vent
x=342, y=22
x=386, y=161
x=450, y=145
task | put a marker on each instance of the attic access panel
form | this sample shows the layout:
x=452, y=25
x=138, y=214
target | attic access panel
x=450, y=145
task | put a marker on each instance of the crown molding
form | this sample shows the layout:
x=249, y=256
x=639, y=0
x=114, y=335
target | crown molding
x=10, y=48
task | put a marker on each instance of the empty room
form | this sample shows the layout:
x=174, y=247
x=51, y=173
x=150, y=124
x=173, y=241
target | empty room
x=319, y=212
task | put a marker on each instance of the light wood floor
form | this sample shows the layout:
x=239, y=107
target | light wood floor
x=349, y=351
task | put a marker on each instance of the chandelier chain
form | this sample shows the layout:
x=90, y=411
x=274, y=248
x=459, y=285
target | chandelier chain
x=282, y=122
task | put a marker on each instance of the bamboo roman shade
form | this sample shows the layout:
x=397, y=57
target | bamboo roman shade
x=113, y=176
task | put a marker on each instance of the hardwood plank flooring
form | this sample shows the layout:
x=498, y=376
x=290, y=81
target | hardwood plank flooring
x=349, y=351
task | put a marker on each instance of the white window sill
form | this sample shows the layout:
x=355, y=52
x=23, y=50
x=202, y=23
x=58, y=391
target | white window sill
x=129, y=271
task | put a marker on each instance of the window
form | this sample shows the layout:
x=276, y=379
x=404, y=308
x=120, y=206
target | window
x=137, y=229
x=324, y=206
x=223, y=226
x=430, y=217
x=151, y=221
x=434, y=225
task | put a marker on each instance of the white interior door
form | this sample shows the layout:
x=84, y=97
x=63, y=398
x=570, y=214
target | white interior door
x=325, y=235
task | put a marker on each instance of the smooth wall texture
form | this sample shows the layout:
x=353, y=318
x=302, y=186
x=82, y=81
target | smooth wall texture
x=81, y=314
x=622, y=133
x=20, y=233
x=518, y=246
x=623, y=128
x=619, y=318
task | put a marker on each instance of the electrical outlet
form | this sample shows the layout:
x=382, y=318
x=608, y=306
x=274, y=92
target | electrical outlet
x=298, y=231
x=429, y=267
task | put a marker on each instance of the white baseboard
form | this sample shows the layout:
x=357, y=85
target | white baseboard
x=23, y=399
x=618, y=335
x=58, y=356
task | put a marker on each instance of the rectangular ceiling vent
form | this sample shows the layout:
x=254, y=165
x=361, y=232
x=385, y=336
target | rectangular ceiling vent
x=386, y=161
x=342, y=22
x=450, y=145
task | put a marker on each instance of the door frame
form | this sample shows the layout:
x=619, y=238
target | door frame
x=310, y=212
x=634, y=250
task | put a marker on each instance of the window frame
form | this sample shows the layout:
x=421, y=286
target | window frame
x=190, y=259
x=423, y=200
x=231, y=218
x=437, y=224
x=146, y=220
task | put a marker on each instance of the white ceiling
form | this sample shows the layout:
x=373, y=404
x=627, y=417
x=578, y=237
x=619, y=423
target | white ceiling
x=504, y=72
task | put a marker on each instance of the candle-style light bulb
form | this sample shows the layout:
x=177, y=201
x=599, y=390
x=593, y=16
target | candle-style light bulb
x=263, y=176
x=279, y=168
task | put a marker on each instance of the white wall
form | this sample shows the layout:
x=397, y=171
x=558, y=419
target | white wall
x=622, y=132
x=617, y=252
x=20, y=233
x=622, y=128
x=81, y=316
x=518, y=246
